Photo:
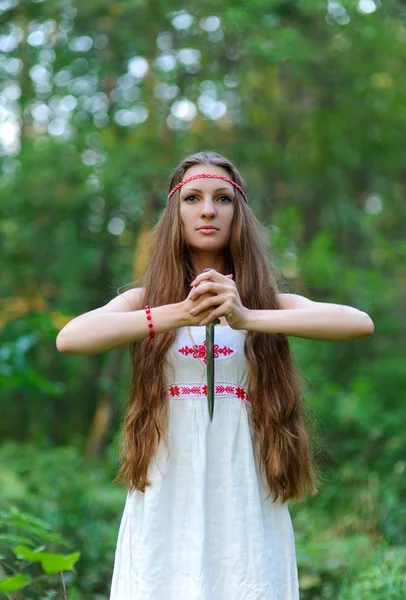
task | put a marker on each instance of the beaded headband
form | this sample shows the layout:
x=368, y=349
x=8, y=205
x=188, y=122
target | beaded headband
x=210, y=176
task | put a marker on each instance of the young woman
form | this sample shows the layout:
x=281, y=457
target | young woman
x=206, y=515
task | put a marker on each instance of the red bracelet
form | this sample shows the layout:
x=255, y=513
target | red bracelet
x=150, y=325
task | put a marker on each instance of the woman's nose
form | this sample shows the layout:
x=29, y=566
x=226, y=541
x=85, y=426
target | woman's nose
x=208, y=208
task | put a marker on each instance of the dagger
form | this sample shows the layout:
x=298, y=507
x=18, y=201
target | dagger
x=210, y=363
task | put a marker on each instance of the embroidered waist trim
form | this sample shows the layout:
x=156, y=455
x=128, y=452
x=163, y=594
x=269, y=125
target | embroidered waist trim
x=199, y=390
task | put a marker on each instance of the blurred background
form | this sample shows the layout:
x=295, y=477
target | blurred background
x=99, y=102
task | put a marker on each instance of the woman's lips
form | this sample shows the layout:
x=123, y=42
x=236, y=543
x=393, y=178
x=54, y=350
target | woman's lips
x=206, y=230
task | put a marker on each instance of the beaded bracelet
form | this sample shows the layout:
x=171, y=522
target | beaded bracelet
x=150, y=325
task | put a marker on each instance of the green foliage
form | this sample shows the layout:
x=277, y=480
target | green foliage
x=343, y=535
x=25, y=530
x=383, y=578
x=22, y=339
x=31, y=370
x=70, y=495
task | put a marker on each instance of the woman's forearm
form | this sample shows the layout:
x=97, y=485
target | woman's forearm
x=98, y=332
x=321, y=322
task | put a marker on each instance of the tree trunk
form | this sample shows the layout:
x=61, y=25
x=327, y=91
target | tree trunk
x=106, y=407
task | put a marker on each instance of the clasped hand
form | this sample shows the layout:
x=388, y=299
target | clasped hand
x=224, y=299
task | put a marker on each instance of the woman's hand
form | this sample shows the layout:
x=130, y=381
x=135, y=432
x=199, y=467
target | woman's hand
x=189, y=304
x=224, y=299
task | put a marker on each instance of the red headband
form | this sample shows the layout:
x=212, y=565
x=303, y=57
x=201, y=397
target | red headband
x=211, y=176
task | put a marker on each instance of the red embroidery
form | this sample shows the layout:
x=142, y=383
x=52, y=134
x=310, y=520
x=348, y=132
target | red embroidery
x=200, y=390
x=174, y=390
x=199, y=351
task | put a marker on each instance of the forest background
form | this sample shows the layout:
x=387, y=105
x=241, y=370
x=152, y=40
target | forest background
x=99, y=101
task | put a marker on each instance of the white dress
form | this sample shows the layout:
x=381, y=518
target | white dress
x=205, y=529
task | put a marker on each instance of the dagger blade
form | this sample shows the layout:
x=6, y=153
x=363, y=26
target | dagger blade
x=210, y=365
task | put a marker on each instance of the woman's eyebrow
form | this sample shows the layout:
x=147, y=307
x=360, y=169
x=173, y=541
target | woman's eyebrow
x=200, y=191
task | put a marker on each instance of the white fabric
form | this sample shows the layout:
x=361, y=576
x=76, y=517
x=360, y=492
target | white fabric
x=205, y=529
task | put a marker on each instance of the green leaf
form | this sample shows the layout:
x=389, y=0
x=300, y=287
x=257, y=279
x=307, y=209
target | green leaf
x=28, y=554
x=14, y=583
x=54, y=563
x=51, y=562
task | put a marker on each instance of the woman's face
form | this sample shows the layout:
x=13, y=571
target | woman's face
x=207, y=202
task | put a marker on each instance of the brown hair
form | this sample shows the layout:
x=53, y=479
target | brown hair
x=277, y=410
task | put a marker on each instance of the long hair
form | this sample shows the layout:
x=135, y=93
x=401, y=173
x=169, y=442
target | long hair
x=278, y=415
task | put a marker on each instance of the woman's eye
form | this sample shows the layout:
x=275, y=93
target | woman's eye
x=226, y=198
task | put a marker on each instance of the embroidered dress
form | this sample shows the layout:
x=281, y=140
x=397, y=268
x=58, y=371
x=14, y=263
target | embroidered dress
x=205, y=529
